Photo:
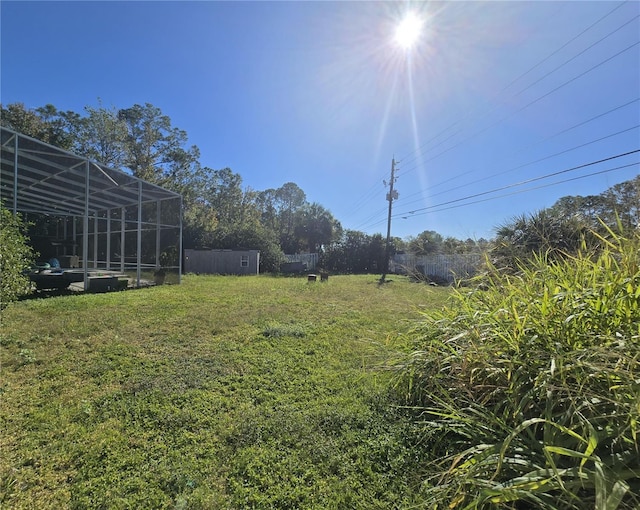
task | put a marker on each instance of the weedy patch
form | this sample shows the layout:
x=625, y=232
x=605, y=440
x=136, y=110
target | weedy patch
x=26, y=356
x=276, y=330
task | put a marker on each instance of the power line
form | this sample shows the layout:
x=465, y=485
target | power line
x=531, y=103
x=578, y=54
x=580, y=124
x=369, y=221
x=391, y=193
x=529, y=163
x=439, y=208
x=504, y=89
x=599, y=64
x=565, y=45
x=370, y=218
x=530, y=189
x=551, y=137
x=521, y=183
x=366, y=197
x=370, y=194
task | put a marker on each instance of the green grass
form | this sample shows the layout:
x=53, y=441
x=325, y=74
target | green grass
x=223, y=392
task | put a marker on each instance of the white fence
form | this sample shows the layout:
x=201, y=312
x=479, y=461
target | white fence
x=446, y=267
x=310, y=260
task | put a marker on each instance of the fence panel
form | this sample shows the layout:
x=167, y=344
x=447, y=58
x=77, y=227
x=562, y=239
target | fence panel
x=310, y=260
x=445, y=267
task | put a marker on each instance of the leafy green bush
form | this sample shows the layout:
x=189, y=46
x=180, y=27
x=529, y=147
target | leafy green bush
x=546, y=232
x=15, y=257
x=528, y=387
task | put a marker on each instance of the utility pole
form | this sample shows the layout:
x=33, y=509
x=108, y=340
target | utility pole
x=391, y=196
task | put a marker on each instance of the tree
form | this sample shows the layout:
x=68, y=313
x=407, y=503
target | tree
x=426, y=243
x=199, y=222
x=46, y=123
x=225, y=196
x=620, y=202
x=377, y=252
x=289, y=200
x=349, y=254
x=355, y=252
x=15, y=257
x=453, y=246
x=544, y=232
x=152, y=145
x=266, y=204
x=250, y=236
x=216, y=210
x=316, y=227
x=623, y=204
x=101, y=136
x=156, y=151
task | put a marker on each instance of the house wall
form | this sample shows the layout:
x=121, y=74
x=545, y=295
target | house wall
x=222, y=261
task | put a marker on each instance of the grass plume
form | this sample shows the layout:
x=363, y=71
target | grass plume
x=527, y=387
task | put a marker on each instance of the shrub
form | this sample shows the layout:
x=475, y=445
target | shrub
x=527, y=388
x=15, y=257
x=544, y=232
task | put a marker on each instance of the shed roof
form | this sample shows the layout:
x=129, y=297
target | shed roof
x=38, y=177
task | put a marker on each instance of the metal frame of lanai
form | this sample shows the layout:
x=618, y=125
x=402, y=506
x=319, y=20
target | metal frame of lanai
x=107, y=218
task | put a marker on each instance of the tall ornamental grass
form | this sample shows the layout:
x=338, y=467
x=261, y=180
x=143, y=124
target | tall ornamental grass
x=527, y=388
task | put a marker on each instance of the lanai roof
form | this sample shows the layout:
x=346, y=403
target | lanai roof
x=40, y=178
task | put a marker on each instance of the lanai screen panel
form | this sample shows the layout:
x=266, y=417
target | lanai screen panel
x=111, y=219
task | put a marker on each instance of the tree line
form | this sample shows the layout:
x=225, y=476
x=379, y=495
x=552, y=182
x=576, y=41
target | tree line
x=219, y=212
x=572, y=224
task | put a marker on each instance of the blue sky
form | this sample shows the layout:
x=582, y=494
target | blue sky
x=493, y=95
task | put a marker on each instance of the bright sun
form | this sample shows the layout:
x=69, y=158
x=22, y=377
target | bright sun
x=408, y=31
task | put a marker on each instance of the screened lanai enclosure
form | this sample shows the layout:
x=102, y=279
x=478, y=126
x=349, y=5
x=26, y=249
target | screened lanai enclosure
x=90, y=224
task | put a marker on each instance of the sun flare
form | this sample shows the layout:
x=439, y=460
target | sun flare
x=408, y=32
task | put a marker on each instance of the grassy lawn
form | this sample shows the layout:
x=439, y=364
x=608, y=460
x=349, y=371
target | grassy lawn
x=223, y=392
